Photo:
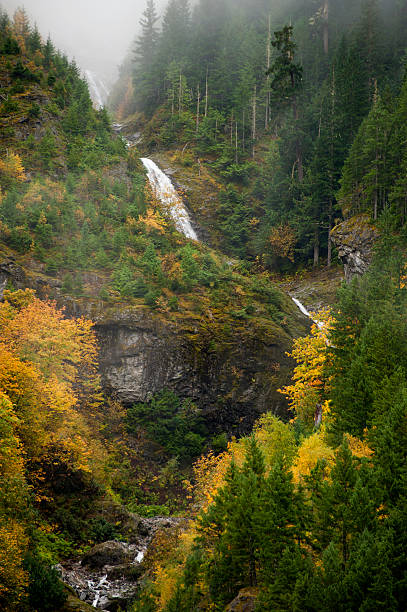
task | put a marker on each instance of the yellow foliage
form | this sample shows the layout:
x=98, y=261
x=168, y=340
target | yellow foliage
x=312, y=449
x=310, y=386
x=359, y=448
x=13, y=578
x=153, y=221
x=165, y=579
x=39, y=333
x=33, y=196
x=21, y=23
x=48, y=372
x=276, y=439
x=282, y=241
x=171, y=267
x=11, y=169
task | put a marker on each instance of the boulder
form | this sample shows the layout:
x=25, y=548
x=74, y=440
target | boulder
x=130, y=571
x=107, y=553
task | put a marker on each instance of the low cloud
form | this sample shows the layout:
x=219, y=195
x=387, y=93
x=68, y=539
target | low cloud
x=98, y=33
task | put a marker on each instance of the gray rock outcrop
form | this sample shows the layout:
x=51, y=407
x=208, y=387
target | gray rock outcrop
x=230, y=368
x=355, y=238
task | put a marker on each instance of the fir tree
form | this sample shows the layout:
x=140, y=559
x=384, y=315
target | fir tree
x=146, y=85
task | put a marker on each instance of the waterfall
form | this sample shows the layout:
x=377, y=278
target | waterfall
x=168, y=196
x=305, y=312
x=96, y=85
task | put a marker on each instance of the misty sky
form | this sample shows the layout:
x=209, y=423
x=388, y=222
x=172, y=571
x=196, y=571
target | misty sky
x=97, y=33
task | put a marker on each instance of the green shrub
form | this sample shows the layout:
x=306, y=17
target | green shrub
x=10, y=106
x=45, y=589
x=101, y=530
x=34, y=110
x=177, y=426
x=20, y=239
x=219, y=443
x=149, y=511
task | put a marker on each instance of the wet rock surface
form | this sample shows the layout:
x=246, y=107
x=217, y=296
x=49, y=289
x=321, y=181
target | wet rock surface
x=355, y=239
x=108, y=577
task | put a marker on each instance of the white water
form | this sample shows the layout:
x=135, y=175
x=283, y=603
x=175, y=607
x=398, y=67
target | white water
x=168, y=196
x=140, y=556
x=97, y=88
x=305, y=312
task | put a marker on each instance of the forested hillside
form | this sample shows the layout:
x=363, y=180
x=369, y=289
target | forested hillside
x=175, y=435
x=273, y=109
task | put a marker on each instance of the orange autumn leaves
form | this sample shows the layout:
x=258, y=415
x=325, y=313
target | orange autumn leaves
x=48, y=390
x=48, y=367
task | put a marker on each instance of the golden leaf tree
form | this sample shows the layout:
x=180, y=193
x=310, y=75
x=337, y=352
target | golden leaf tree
x=308, y=392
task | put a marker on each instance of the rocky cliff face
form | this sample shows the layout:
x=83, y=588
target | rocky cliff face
x=355, y=239
x=233, y=382
x=232, y=372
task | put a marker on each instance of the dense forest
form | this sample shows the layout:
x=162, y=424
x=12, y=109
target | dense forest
x=274, y=109
x=263, y=465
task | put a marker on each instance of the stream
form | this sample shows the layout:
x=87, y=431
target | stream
x=108, y=576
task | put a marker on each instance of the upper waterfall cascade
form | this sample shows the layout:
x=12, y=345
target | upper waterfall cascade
x=168, y=195
x=98, y=90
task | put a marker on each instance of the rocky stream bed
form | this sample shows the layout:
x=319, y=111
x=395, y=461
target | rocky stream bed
x=108, y=577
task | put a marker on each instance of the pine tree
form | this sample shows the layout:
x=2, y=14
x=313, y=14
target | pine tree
x=49, y=52
x=175, y=36
x=34, y=40
x=145, y=73
x=340, y=503
x=286, y=79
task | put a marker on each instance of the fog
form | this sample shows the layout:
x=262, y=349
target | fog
x=97, y=33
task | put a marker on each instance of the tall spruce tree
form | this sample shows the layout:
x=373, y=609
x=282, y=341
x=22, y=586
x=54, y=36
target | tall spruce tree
x=146, y=80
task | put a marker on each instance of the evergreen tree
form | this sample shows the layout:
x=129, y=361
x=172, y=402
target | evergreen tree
x=342, y=505
x=175, y=36
x=145, y=77
x=34, y=40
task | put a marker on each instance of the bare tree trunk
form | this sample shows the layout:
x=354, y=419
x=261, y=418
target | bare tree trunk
x=236, y=144
x=316, y=246
x=206, y=93
x=332, y=169
x=376, y=191
x=254, y=120
x=300, y=162
x=268, y=64
x=298, y=150
x=243, y=132
x=326, y=26
x=180, y=93
x=198, y=102
x=329, y=256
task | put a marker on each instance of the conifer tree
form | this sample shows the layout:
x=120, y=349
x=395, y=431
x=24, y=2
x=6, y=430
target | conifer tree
x=145, y=77
x=337, y=509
